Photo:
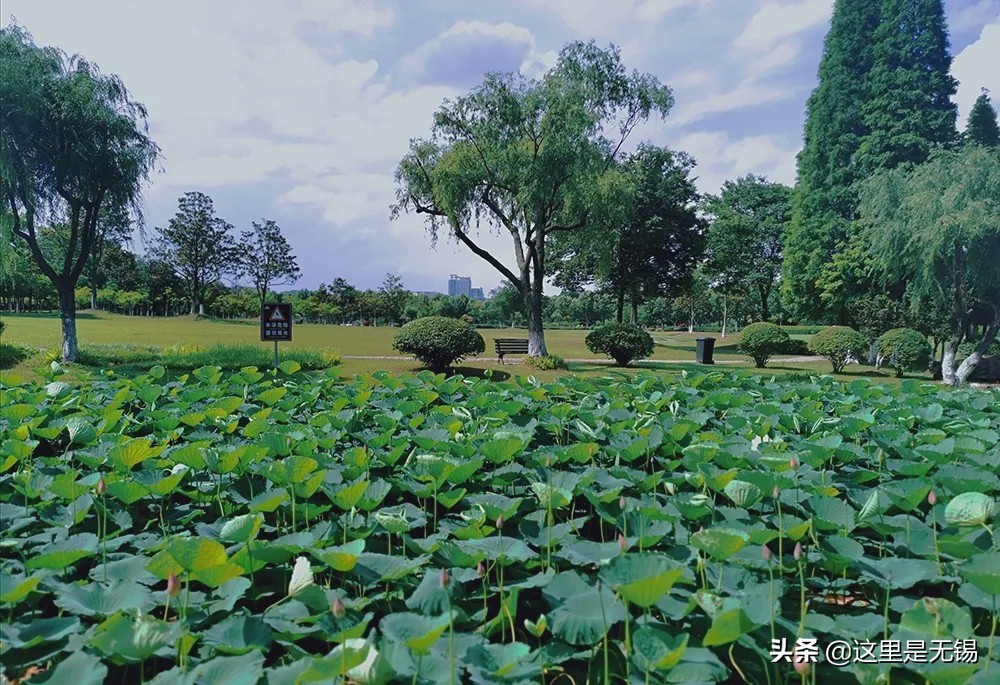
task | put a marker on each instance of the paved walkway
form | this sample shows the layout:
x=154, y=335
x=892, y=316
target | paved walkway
x=515, y=360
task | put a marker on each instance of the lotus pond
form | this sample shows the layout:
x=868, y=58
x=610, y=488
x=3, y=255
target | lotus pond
x=278, y=527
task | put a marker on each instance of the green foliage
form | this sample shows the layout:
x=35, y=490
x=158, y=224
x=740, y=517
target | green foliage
x=12, y=354
x=550, y=362
x=796, y=347
x=838, y=344
x=198, y=247
x=643, y=235
x=904, y=349
x=748, y=220
x=265, y=258
x=981, y=128
x=623, y=342
x=439, y=341
x=763, y=340
x=453, y=511
x=525, y=155
x=229, y=357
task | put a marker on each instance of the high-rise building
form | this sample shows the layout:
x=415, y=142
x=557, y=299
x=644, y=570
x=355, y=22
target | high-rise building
x=459, y=285
x=477, y=294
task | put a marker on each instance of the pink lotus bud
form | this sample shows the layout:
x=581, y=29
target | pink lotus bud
x=445, y=578
x=793, y=462
x=776, y=493
x=800, y=665
x=622, y=542
x=622, y=502
x=480, y=569
x=173, y=585
x=101, y=488
x=766, y=552
x=499, y=521
x=337, y=608
x=932, y=498
x=797, y=552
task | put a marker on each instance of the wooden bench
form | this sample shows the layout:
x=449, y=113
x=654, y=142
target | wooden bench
x=510, y=346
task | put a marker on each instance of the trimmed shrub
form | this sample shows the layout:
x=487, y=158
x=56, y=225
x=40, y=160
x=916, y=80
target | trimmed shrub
x=186, y=357
x=549, y=362
x=838, y=344
x=12, y=354
x=797, y=347
x=623, y=342
x=904, y=349
x=763, y=340
x=439, y=341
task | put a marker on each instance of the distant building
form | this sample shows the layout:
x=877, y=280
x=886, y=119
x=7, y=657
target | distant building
x=459, y=285
x=476, y=294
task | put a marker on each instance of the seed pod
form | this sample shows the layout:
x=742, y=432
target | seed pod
x=797, y=552
x=337, y=608
x=173, y=585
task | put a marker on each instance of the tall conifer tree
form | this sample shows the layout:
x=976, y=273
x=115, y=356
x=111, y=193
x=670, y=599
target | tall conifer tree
x=981, y=127
x=824, y=202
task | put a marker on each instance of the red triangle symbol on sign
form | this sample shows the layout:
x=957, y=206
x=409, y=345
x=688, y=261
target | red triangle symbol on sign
x=276, y=315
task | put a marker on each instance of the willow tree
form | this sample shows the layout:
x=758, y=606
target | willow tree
x=937, y=226
x=522, y=156
x=71, y=142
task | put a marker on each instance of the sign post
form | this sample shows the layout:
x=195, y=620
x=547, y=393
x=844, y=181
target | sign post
x=276, y=324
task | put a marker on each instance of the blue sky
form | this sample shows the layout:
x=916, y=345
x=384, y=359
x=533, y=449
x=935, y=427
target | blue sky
x=299, y=110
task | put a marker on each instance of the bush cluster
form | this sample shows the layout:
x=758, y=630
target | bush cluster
x=796, y=347
x=763, y=340
x=228, y=357
x=548, y=362
x=904, y=349
x=839, y=344
x=439, y=341
x=623, y=342
x=12, y=354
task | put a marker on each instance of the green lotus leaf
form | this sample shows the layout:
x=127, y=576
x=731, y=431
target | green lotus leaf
x=970, y=509
x=642, y=578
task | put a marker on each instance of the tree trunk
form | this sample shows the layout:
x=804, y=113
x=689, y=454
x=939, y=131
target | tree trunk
x=691, y=320
x=972, y=361
x=67, y=316
x=765, y=311
x=201, y=308
x=620, y=311
x=93, y=296
x=725, y=312
x=873, y=358
x=635, y=312
x=536, y=331
x=948, y=360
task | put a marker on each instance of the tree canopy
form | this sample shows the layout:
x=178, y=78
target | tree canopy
x=938, y=227
x=981, y=128
x=522, y=156
x=265, y=258
x=71, y=141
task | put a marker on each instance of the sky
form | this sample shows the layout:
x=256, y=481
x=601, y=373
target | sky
x=299, y=110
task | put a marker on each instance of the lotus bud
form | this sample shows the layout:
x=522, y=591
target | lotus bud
x=800, y=665
x=701, y=529
x=337, y=608
x=173, y=585
x=101, y=488
x=932, y=498
x=445, y=579
x=480, y=569
x=793, y=462
x=499, y=521
x=776, y=493
x=622, y=542
x=766, y=552
x=797, y=552
x=622, y=502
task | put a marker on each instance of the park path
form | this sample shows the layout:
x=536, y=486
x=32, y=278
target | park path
x=515, y=360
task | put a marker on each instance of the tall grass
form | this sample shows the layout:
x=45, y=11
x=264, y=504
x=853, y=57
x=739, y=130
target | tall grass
x=189, y=357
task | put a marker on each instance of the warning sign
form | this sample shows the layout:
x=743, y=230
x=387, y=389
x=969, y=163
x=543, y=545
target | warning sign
x=276, y=322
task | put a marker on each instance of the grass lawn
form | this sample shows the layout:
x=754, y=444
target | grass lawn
x=42, y=331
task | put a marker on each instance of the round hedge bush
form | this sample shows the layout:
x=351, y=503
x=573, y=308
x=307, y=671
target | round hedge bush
x=439, y=341
x=838, y=344
x=763, y=340
x=904, y=349
x=623, y=342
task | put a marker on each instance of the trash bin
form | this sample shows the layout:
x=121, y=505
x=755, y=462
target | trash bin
x=706, y=346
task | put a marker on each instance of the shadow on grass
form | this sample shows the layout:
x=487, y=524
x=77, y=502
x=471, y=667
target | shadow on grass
x=46, y=315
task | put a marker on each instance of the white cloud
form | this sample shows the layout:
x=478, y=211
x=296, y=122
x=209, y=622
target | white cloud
x=607, y=18
x=748, y=93
x=975, y=68
x=782, y=56
x=776, y=21
x=721, y=158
